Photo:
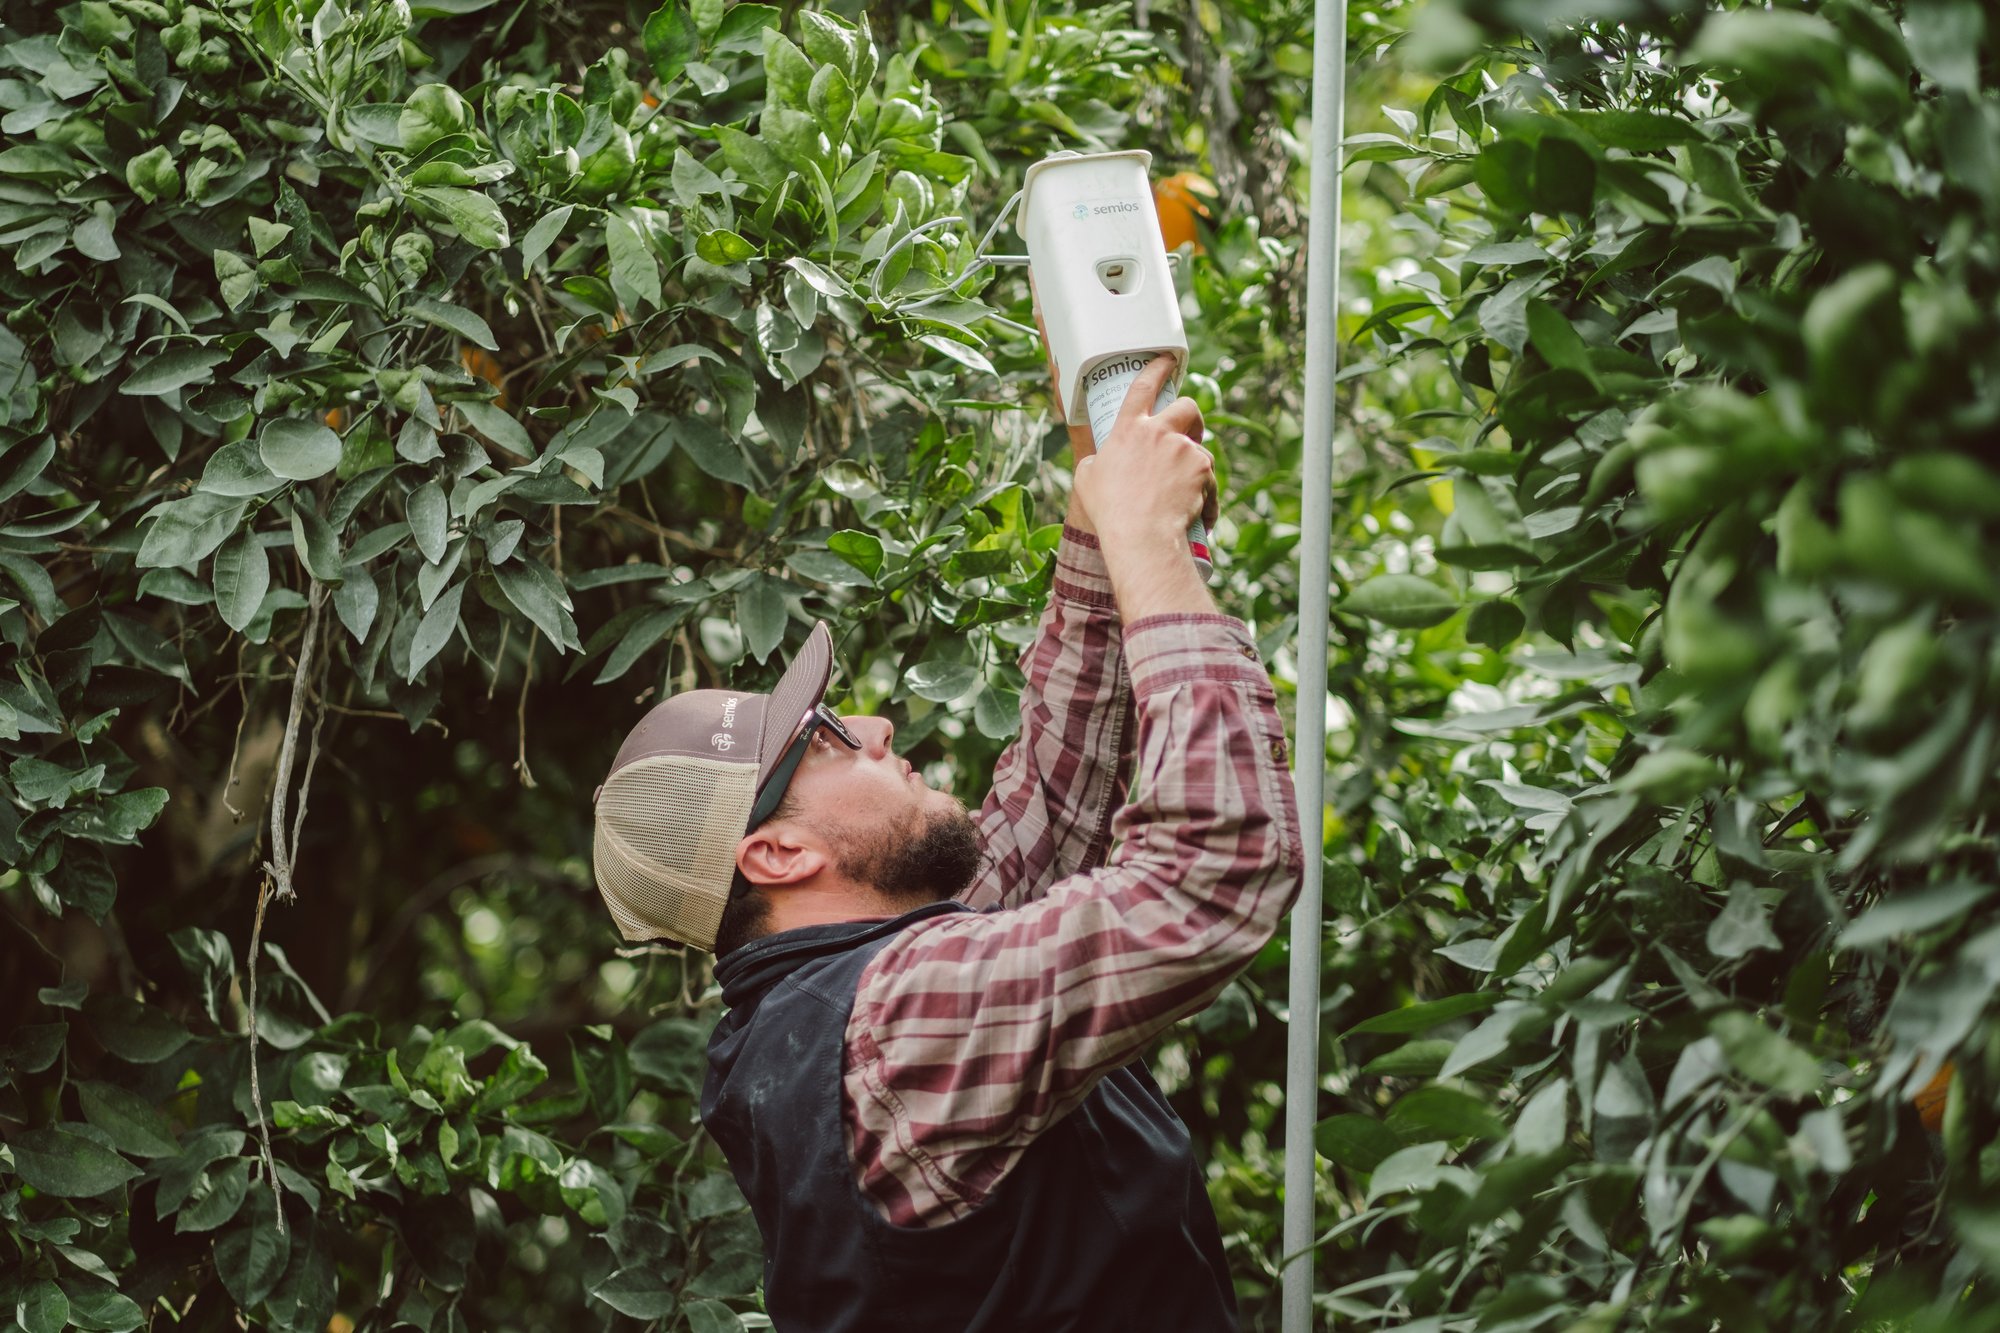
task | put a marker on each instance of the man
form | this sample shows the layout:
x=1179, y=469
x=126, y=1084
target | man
x=929, y=1080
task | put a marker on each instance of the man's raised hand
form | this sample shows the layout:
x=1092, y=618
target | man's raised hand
x=1152, y=475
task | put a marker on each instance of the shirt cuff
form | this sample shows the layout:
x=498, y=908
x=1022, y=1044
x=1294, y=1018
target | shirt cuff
x=1167, y=650
x=1081, y=574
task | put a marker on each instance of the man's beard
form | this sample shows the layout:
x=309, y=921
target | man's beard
x=909, y=869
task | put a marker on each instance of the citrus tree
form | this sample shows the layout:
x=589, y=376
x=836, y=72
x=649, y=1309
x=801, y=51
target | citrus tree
x=379, y=381
x=1670, y=636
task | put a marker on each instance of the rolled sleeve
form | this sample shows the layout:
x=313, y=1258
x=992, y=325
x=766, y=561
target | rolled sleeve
x=1081, y=574
x=1168, y=650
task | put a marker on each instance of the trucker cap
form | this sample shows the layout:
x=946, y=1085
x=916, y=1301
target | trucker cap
x=678, y=798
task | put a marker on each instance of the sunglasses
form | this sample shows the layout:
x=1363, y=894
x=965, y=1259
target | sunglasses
x=773, y=794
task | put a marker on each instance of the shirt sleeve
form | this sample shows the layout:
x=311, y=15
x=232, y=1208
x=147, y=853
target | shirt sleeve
x=1056, y=787
x=974, y=1032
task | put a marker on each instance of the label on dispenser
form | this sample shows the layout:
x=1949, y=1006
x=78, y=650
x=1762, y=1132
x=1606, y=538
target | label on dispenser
x=1104, y=391
x=1106, y=385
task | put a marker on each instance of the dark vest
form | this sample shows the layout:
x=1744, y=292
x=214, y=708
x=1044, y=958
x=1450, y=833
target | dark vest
x=1103, y=1225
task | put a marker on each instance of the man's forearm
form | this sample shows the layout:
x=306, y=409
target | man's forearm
x=1152, y=574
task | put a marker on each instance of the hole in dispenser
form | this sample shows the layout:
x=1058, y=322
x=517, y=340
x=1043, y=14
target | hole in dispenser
x=1120, y=275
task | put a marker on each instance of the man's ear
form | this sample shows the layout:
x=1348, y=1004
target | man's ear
x=779, y=855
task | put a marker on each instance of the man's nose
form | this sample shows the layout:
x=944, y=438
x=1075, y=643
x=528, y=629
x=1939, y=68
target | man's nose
x=874, y=733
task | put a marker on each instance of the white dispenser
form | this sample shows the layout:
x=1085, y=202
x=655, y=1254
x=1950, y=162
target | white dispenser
x=1106, y=293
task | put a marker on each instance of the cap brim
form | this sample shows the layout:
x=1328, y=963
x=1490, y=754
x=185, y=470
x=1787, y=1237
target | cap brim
x=802, y=686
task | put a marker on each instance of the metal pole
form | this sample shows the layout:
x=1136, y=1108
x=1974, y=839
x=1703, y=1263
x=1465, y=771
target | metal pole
x=1315, y=564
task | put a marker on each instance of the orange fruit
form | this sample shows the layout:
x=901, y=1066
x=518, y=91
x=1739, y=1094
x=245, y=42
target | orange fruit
x=487, y=367
x=336, y=418
x=1930, y=1102
x=1178, y=200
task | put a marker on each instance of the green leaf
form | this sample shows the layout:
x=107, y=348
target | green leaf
x=174, y=369
x=713, y=1317
x=455, y=318
x=712, y=450
x=59, y=1162
x=185, y=532
x=266, y=236
x=215, y=1195
x=237, y=277
x=1640, y=131
x=44, y=783
x=470, y=213
x=863, y=550
x=1565, y=179
x=436, y=629
x=251, y=1256
x=1764, y=1056
x=432, y=111
x=969, y=357
x=1495, y=624
x=1443, y=1111
x=519, y=1074
x=236, y=469
x=429, y=516
x=632, y=262
x=940, y=682
x=123, y=817
x=1670, y=776
x=714, y=1195
x=298, y=450
x=829, y=40
x=744, y=22
x=723, y=247
x=538, y=594
x=355, y=601
x=497, y=425
x=787, y=72
x=313, y=539
x=671, y=39
x=1542, y=1125
x=831, y=100
x=141, y=1033
x=153, y=175
x=642, y=1292
x=69, y=995
x=1945, y=39
x=1418, y=1017
x=304, y=1299
x=204, y=954
x=242, y=577
x=134, y=1124
x=1556, y=340
x=41, y=1307
x=1357, y=1142
x=96, y=1304
x=1905, y=913
x=750, y=158
x=541, y=236
x=1742, y=925
x=760, y=610
x=1403, y=600
x=33, y=1047
x=1412, y=1170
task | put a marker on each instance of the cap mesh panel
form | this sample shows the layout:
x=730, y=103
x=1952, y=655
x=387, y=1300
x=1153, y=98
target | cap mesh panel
x=665, y=849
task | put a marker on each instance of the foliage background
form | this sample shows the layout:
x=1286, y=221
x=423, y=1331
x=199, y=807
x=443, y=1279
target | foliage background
x=434, y=383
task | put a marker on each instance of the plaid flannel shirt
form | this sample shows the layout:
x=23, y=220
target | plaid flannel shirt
x=973, y=1032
